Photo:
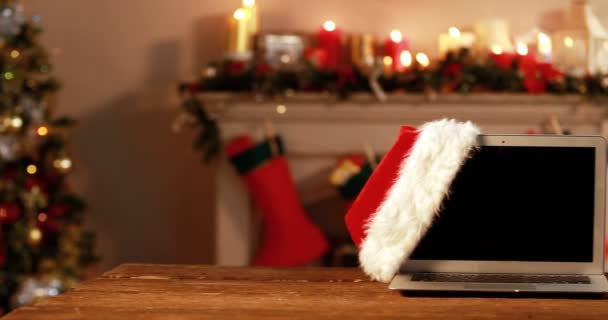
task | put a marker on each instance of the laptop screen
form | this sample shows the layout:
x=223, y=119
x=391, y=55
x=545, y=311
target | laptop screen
x=517, y=204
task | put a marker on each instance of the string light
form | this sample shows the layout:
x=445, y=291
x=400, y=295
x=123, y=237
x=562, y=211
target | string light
x=15, y=54
x=568, y=42
x=62, y=164
x=423, y=59
x=396, y=35
x=522, y=49
x=387, y=60
x=9, y=75
x=281, y=109
x=16, y=122
x=42, y=131
x=544, y=43
x=406, y=58
x=496, y=49
x=31, y=169
x=329, y=25
x=35, y=235
x=454, y=32
x=42, y=217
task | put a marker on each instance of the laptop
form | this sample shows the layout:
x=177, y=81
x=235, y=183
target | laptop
x=526, y=213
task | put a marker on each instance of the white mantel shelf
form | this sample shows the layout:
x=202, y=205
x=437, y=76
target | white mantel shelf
x=318, y=128
x=410, y=108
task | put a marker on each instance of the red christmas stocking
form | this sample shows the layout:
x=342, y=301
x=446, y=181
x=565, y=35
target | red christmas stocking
x=290, y=238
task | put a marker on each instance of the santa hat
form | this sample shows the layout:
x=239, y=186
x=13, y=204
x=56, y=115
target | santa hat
x=399, y=201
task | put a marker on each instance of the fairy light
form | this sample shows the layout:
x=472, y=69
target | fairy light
x=63, y=163
x=42, y=217
x=31, y=169
x=9, y=75
x=281, y=109
x=42, y=131
x=35, y=235
x=15, y=54
x=16, y=122
x=329, y=25
x=239, y=14
x=544, y=43
x=522, y=49
x=423, y=59
x=454, y=32
x=387, y=60
x=496, y=49
x=406, y=58
x=568, y=42
x=396, y=35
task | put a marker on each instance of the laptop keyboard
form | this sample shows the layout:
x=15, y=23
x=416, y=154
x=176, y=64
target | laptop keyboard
x=500, y=278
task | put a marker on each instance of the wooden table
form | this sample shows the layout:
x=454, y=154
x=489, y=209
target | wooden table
x=138, y=291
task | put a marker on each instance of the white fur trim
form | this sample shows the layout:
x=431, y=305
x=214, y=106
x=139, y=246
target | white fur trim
x=424, y=178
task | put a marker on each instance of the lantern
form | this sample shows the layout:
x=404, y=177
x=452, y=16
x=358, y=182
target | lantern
x=582, y=45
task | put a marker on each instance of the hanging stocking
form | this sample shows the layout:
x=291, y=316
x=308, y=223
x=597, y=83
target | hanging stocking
x=290, y=238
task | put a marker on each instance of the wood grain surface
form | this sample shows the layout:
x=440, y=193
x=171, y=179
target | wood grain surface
x=138, y=291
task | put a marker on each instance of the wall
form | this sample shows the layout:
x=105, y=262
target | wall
x=150, y=198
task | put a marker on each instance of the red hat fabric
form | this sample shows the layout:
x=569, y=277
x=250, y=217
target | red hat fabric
x=399, y=201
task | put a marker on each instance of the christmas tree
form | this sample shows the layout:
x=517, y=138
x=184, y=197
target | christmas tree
x=43, y=249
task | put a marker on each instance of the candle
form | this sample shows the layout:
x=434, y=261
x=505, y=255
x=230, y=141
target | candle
x=455, y=40
x=251, y=11
x=330, y=39
x=544, y=47
x=393, y=48
x=362, y=52
x=527, y=60
x=239, y=40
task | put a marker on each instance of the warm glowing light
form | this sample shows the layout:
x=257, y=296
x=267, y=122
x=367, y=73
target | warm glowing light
x=3, y=213
x=15, y=54
x=329, y=25
x=522, y=49
x=16, y=122
x=248, y=3
x=396, y=36
x=281, y=109
x=454, y=32
x=544, y=43
x=406, y=58
x=285, y=58
x=42, y=217
x=9, y=75
x=239, y=14
x=31, y=169
x=35, y=235
x=568, y=42
x=496, y=49
x=423, y=59
x=63, y=163
x=42, y=131
x=387, y=61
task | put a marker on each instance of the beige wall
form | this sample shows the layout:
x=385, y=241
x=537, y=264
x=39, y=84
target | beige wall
x=150, y=199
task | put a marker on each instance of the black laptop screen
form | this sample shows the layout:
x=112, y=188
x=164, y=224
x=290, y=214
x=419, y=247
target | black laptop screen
x=517, y=204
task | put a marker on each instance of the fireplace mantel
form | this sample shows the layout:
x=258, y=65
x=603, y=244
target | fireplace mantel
x=318, y=128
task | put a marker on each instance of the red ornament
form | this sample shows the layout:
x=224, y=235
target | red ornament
x=9, y=212
x=262, y=69
x=452, y=69
x=236, y=68
x=317, y=57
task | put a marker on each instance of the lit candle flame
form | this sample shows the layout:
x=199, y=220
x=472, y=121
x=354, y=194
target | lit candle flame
x=568, y=42
x=329, y=25
x=496, y=49
x=454, y=32
x=406, y=58
x=239, y=14
x=248, y=3
x=522, y=49
x=396, y=36
x=422, y=59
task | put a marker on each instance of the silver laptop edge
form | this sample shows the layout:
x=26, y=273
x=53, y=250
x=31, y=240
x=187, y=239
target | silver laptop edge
x=594, y=270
